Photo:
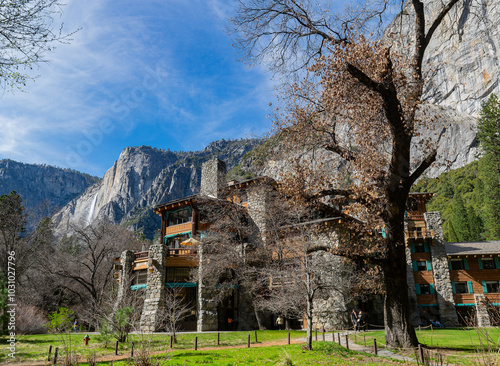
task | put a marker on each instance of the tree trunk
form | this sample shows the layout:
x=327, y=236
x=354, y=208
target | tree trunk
x=309, y=323
x=399, y=332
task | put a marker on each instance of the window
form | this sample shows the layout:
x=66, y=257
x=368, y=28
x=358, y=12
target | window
x=461, y=288
x=487, y=263
x=141, y=277
x=178, y=274
x=421, y=266
x=457, y=263
x=419, y=247
x=179, y=217
x=491, y=286
x=425, y=289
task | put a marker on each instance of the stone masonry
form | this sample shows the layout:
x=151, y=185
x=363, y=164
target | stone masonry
x=482, y=317
x=155, y=290
x=213, y=177
x=412, y=294
x=207, y=306
x=442, y=281
x=126, y=262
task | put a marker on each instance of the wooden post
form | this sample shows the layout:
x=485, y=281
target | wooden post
x=255, y=335
x=116, y=348
x=288, y=337
x=333, y=336
x=323, y=335
x=248, y=341
x=315, y=334
x=421, y=353
x=56, y=352
x=132, y=349
x=195, y=343
x=347, y=341
x=171, y=341
x=50, y=351
x=218, y=338
x=375, y=345
x=339, y=338
x=364, y=339
x=432, y=329
x=355, y=338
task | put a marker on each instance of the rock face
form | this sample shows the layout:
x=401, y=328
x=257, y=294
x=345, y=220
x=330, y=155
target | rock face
x=143, y=177
x=462, y=60
x=42, y=184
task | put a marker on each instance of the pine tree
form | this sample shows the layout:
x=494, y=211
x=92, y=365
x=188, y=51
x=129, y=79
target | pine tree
x=459, y=220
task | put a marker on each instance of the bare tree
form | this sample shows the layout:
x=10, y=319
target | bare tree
x=83, y=262
x=175, y=310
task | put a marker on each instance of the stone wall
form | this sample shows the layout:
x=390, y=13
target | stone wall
x=207, y=306
x=213, y=177
x=155, y=290
x=412, y=294
x=124, y=276
x=441, y=273
x=482, y=317
x=257, y=199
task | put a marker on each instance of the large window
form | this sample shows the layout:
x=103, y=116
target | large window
x=488, y=263
x=461, y=288
x=425, y=289
x=179, y=217
x=491, y=286
x=178, y=274
x=140, y=277
x=419, y=247
x=421, y=265
x=457, y=263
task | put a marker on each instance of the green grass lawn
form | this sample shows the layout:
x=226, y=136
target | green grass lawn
x=466, y=346
x=35, y=347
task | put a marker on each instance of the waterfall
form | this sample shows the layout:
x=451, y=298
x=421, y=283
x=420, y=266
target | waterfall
x=92, y=209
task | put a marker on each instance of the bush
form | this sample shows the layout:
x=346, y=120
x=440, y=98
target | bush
x=30, y=320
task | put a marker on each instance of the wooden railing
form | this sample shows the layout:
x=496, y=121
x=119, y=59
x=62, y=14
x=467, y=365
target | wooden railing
x=181, y=252
x=415, y=217
x=424, y=233
x=178, y=228
x=141, y=255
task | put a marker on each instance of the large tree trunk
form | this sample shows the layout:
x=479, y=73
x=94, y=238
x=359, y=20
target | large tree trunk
x=399, y=332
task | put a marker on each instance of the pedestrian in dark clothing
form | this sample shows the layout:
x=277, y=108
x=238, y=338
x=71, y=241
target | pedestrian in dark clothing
x=354, y=319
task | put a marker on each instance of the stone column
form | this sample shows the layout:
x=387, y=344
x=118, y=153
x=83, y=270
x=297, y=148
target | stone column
x=440, y=271
x=412, y=294
x=124, y=277
x=257, y=196
x=213, y=177
x=155, y=290
x=207, y=307
x=482, y=317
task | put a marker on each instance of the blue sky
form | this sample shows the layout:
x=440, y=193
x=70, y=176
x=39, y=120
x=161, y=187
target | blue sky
x=159, y=73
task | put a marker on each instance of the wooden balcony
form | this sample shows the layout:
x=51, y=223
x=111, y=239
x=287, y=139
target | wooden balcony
x=419, y=234
x=141, y=255
x=415, y=216
x=181, y=228
x=181, y=252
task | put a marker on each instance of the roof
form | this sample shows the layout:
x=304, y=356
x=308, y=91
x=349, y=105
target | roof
x=473, y=248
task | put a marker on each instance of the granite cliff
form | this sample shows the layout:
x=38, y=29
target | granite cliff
x=42, y=184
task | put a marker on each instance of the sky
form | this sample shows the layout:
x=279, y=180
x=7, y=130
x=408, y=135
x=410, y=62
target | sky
x=157, y=73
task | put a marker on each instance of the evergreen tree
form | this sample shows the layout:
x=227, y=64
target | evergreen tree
x=459, y=220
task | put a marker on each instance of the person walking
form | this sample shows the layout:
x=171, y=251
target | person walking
x=354, y=319
x=280, y=322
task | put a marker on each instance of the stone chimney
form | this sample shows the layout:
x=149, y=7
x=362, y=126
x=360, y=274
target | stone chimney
x=213, y=177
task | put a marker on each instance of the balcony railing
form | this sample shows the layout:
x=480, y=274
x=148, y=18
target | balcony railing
x=141, y=255
x=181, y=252
x=419, y=234
x=178, y=228
x=415, y=216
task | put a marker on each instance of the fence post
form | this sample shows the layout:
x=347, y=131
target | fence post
x=333, y=336
x=347, y=341
x=339, y=338
x=56, y=352
x=50, y=351
x=248, y=341
x=255, y=335
x=132, y=350
x=116, y=348
x=288, y=337
x=171, y=341
x=195, y=343
x=375, y=345
x=315, y=334
x=421, y=353
x=323, y=334
x=218, y=338
x=364, y=339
